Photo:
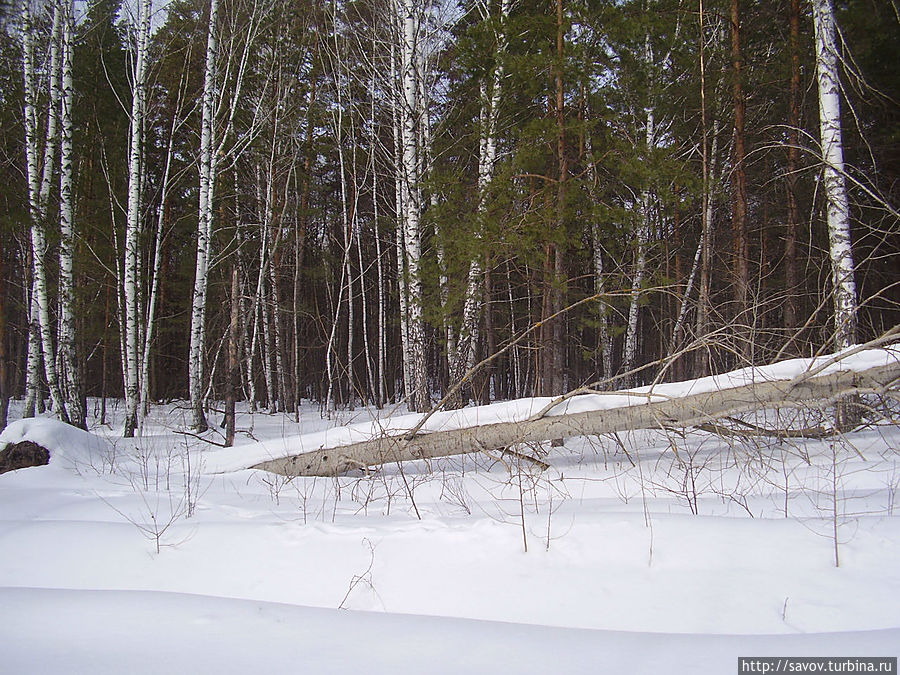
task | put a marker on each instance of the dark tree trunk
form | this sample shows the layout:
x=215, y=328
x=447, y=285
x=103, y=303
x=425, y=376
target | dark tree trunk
x=4, y=375
x=490, y=335
x=741, y=252
x=558, y=349
x=701, y=356
x=554, y=344
x=300, y=243
x=792, y=289
x=233, y=376
x=104, y=361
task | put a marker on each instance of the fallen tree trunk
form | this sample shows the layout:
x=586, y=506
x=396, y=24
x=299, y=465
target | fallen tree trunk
x=684, y=411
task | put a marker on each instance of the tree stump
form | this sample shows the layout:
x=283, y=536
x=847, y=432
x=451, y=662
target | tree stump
x=22, y=455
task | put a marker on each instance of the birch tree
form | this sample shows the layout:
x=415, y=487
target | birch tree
x=215, y=132
x=410, y=203
x=39, y=186
x=709, y=152
x=645, y=214
x=71, y=378
x=33, y=397
x=462, y=358
x=130, y=267
x=837, y=207
x=642, y=238
x=196, y=363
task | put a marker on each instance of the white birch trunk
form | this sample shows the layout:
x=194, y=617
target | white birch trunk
x=196, y=362
x=444, y=288
x=838, y=209
x=701, y=256
x=604, y=337
x=280, y=372
x=71, y=378
x=265, y=266
x=260, y=316
x=133, y=226
x=39, y=192
x=706, y=243
x=464, y=358
x=33, y=363
x=411, y=187
x=364, y=311
x=400, y=207
x=640, y=268
x=249, y=339
x=643, y=237
x=629, y=354
x=251, y=336
x=33, y=394
x=277, y=395
x=685, y=299
x=212, y=147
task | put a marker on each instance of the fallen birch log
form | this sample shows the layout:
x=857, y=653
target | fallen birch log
x=682, y=411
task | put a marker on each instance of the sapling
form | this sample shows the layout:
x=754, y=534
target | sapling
x=834, y=503
x=454, y=491
x=192, y=473
x=150, y=476
x=304, y=488
x=893, y=483
x=365, y=578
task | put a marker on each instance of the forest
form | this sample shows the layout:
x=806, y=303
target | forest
x=362, y=202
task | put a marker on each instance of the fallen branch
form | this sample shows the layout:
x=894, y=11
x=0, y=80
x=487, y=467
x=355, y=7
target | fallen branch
x=200, y=438
x=754, y=431
x=686, y=411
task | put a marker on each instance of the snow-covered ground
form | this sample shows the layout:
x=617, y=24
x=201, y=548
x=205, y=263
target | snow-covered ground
x=647, y=552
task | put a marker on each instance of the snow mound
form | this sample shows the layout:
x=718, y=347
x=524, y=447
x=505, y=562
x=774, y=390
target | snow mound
x=61, y=439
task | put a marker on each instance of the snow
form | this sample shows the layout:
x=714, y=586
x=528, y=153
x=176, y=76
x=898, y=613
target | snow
x=649, y=552
x=167, y=632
